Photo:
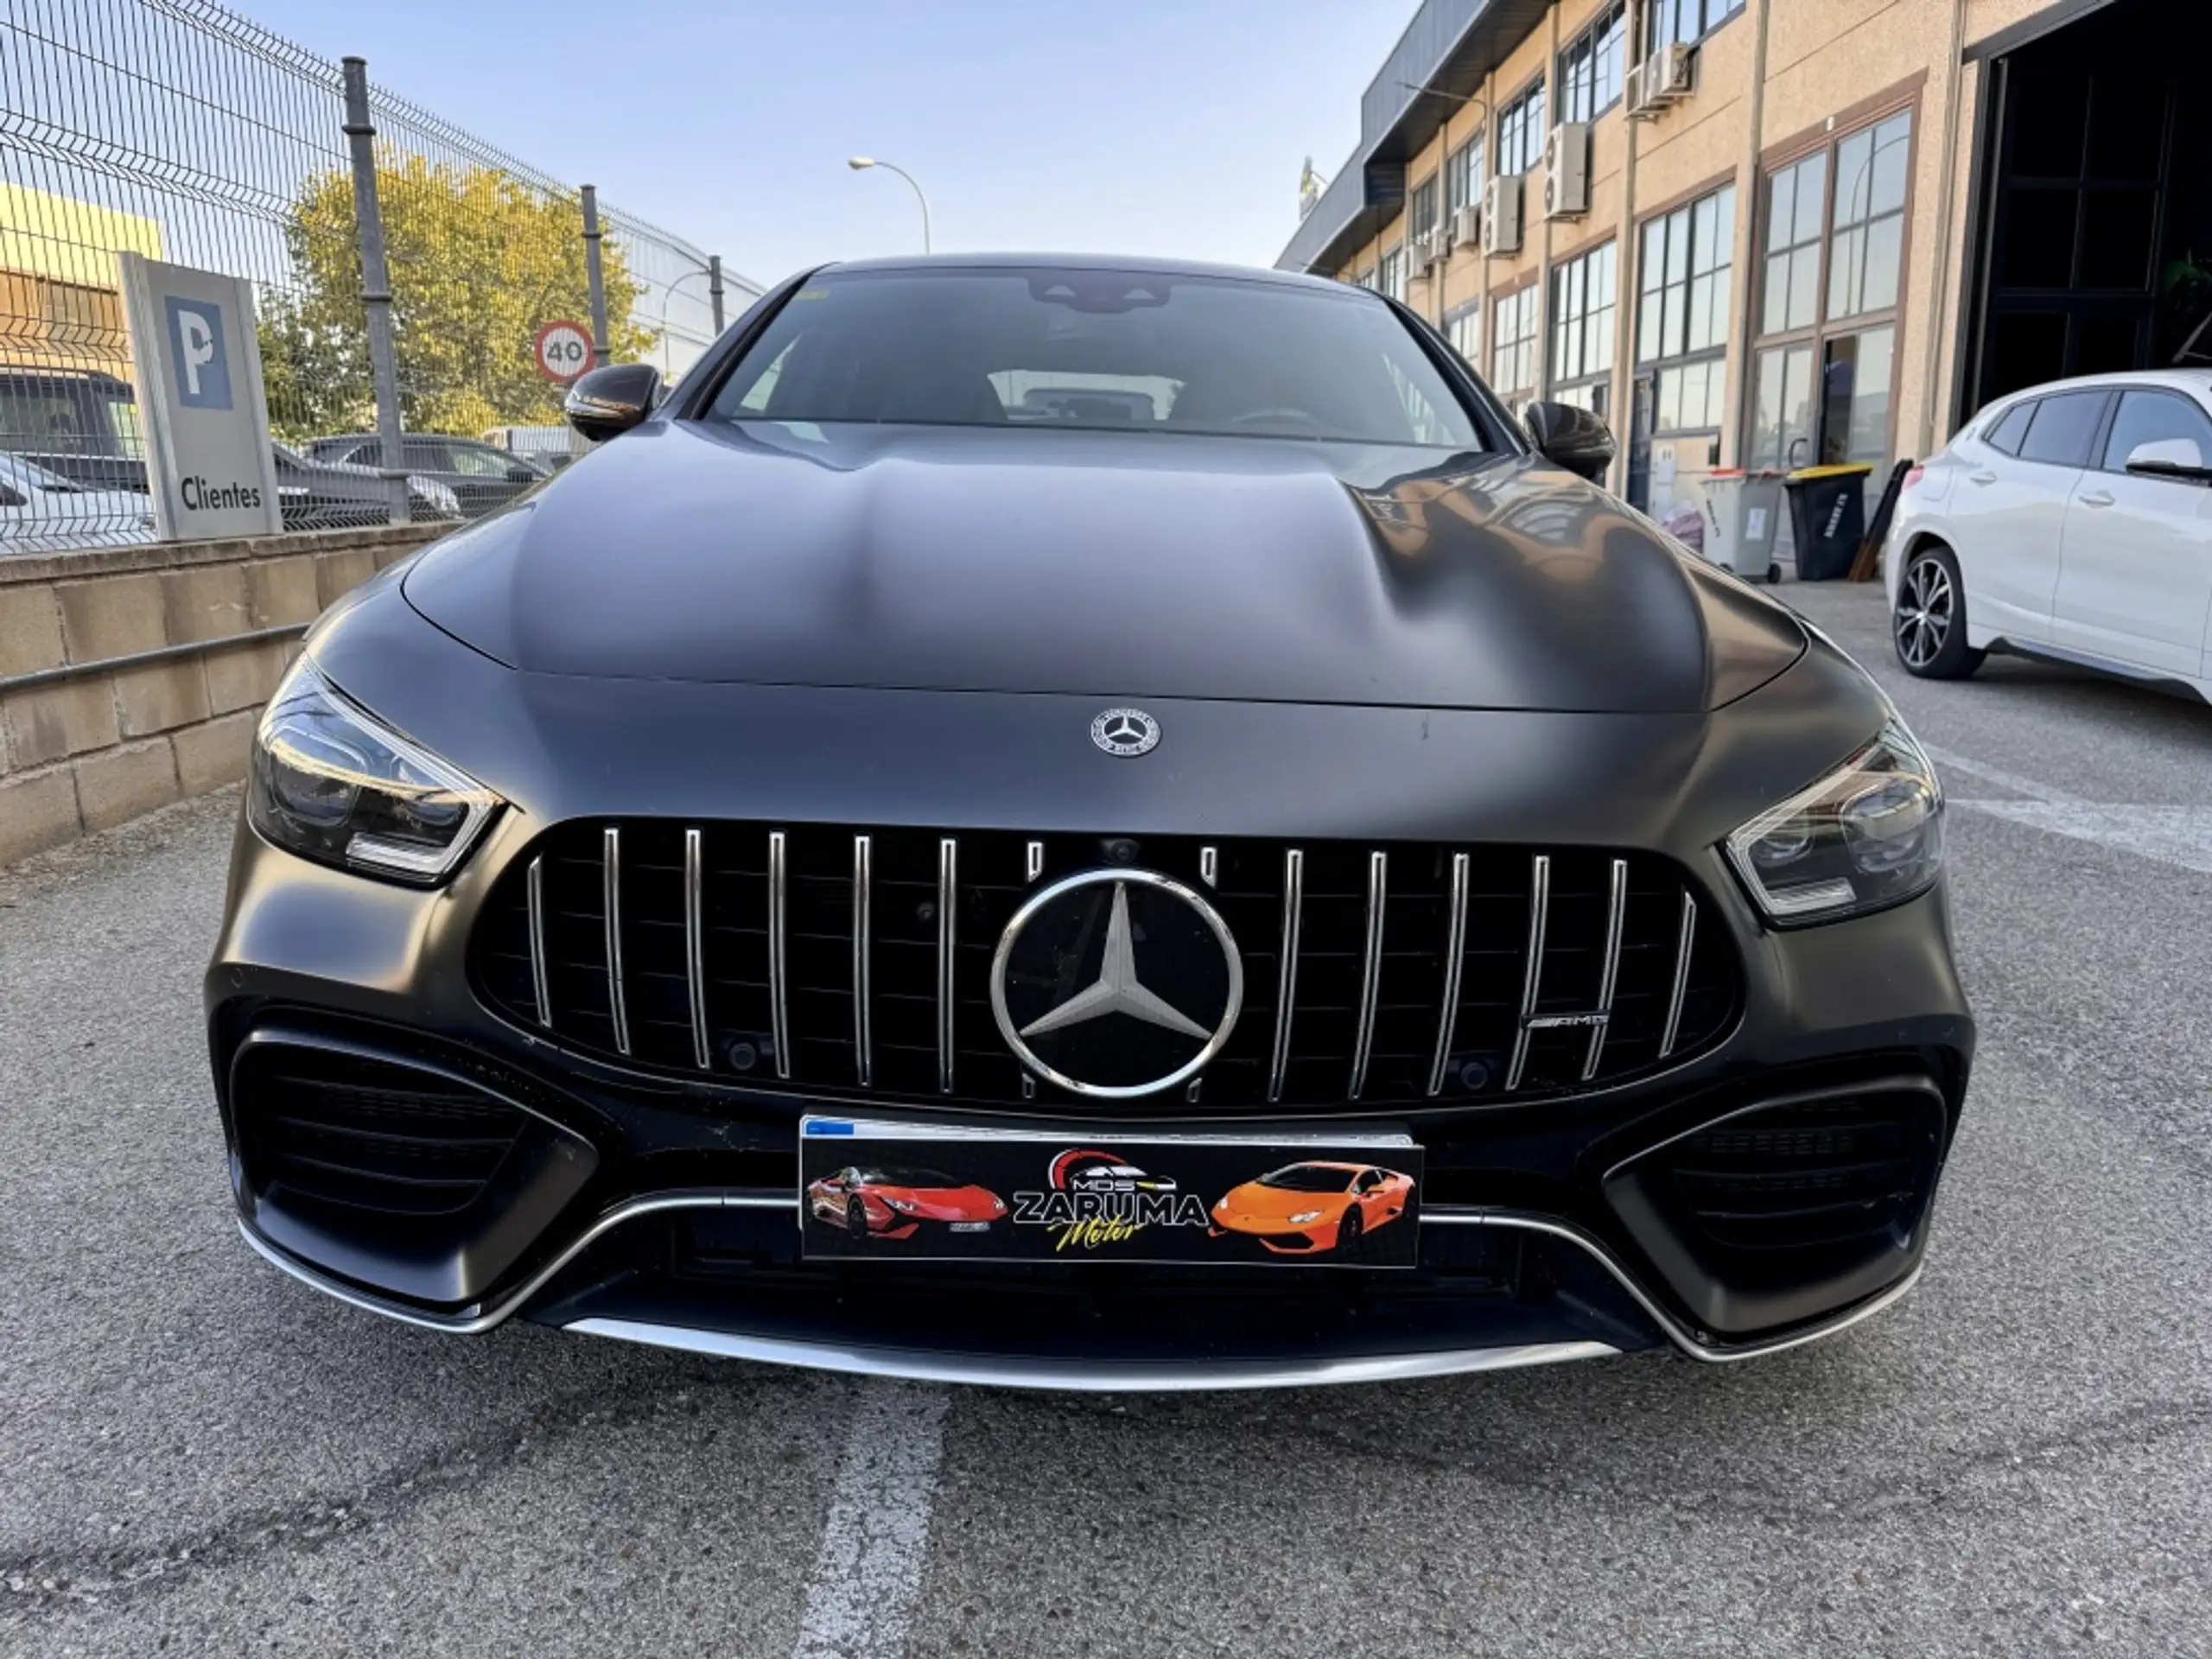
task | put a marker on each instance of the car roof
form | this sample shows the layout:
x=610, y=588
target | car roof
x=1139, y=264
x=2196, y=380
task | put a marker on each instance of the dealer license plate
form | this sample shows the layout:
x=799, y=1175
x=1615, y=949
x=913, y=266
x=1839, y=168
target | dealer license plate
x=891, y=1191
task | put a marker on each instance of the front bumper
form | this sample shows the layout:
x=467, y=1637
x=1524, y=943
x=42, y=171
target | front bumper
x=667, y=1213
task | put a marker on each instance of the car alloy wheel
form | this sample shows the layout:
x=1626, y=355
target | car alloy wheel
x=1349, y=1229
x=856, y=1218
x=1927, y=608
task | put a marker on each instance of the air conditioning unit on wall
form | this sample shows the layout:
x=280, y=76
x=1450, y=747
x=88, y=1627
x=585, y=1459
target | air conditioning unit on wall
x=1502, y=214
x=1567, y=170
x=1467, y=226
x=1420, y=253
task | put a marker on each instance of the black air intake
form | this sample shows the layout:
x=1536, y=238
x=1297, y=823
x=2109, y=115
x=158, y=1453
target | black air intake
x=708, y=972
x=401, y=1174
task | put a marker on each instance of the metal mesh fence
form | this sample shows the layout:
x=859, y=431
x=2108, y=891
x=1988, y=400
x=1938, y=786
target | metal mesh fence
x=180, y=130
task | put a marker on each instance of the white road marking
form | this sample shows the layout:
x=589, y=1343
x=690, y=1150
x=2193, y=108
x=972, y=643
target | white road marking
x=2180, y=835
x=869, y=1575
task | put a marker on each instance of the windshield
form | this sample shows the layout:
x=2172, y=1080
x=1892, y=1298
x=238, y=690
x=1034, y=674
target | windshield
x=1099, y=349
x=1309, y=1177
x=904, y=1178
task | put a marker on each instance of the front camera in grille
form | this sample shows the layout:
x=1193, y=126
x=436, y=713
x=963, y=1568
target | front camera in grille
x=840, y=959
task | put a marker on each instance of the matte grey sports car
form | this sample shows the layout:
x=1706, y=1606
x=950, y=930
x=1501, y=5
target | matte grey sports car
x=1103, y=730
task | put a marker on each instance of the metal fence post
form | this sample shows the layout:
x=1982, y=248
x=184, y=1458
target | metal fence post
x=592, y=275
x=376, y=283
x=715, y=289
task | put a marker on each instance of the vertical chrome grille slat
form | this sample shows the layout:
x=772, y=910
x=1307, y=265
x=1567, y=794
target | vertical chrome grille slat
x=1532, y=974
x=1370, y=973
x=540, y=983
x=1615, y=913
x=1455, y=954
x=863, y=891
x=1684, y=937
x=1209, y=866
x=695, y=942
x=1033, y=861
x=610, y=874
x=778, y=1017
x=948, y=898
x=1293, y=902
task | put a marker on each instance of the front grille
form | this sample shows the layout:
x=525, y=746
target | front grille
x=854, y=960
x=1834, y=1176
x=344, y=1129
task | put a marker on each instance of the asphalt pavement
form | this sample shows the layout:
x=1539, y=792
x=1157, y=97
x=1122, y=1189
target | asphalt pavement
x=200, y=1456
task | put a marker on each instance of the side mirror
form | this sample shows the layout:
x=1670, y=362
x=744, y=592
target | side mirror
x=608, y=402
x=2175, y=458
x=1571, y=437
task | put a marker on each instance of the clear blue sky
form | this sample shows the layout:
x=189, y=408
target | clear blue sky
x=1144, y=126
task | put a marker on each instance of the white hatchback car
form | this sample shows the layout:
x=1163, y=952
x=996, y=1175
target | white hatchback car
x=2073, y=521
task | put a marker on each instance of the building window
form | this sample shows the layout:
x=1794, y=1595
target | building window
x=1515, y=320
x=1463, y=177
x=1589, y=68
x=1421, y=218
x=1684, y=22
x=1832, y=270
x=1581, y=364
x=1464, y=328
x=1365, y=279
x=1521, y=130
x=1391, y=279
x=1682, y=319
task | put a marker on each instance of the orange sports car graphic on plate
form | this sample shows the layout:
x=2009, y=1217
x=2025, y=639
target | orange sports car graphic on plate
x=1311, y=1209
x=879, y=1202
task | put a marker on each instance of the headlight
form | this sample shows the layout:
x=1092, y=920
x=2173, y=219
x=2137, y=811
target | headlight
x=331, y=782
x=1304, y=1216
x=904, y=1206
x=440, y=496
x=1869, y=834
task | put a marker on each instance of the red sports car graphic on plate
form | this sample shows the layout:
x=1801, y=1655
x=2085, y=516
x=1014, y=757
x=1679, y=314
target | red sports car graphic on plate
x=874, y=1201
x=1311, y=1209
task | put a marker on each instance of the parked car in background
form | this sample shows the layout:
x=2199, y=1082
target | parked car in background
x=549, y=447
x=480, y=477
x=328, y=495
x=43, y=513
x=2072, y=521
x=76, y=424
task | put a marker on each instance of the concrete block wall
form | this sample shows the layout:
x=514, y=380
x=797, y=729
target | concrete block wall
x=132, y=677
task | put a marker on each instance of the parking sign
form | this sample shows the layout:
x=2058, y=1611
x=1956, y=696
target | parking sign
x=209, y=466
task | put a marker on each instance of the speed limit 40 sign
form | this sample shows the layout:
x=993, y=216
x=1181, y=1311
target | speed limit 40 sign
x=564, y=350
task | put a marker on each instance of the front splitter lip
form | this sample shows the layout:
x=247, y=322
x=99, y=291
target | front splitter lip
x=938, y=1366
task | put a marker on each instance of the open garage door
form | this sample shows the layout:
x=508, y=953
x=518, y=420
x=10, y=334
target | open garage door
x=2095, y=246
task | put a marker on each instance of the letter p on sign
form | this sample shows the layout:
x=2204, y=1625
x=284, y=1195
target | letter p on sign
x=202, y=370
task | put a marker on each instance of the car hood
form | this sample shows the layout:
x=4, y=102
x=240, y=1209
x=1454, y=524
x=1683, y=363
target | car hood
x=1276, y=1204
x=1114, y=565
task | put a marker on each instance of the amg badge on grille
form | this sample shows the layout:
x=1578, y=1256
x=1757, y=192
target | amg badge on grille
x=1117, y=982
x=1126, y=732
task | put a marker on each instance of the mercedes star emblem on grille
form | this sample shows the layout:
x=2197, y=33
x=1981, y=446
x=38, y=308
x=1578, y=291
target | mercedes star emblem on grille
x=1126, y=731
x=1117, y=982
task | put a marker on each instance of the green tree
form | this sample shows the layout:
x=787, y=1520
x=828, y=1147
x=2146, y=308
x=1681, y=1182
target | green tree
x=477, y=260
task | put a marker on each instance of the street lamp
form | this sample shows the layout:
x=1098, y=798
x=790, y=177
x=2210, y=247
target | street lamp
x=858, y=163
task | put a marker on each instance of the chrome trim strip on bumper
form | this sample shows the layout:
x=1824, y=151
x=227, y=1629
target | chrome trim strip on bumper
x=1085, y=1377
x=479, y=1317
